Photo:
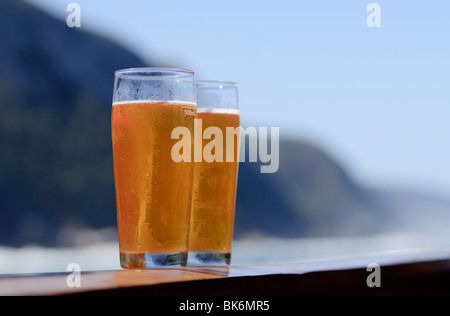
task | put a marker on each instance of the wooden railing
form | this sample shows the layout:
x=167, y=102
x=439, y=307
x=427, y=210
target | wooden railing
x=409, y=272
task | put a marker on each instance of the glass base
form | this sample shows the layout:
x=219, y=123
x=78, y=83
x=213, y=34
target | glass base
x=208, y=259
x=153, y=260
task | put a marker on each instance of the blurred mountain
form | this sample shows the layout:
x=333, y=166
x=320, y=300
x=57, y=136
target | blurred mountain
x=310, y=195
x=56, y=166
x=55, y=141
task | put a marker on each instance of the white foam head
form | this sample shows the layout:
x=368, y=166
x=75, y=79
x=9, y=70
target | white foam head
x=218, y=111
x=153, y=101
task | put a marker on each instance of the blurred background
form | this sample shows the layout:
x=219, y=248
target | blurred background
x=363, y=116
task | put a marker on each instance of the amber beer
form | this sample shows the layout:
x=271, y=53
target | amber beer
x=153, y=193
x=214, y=191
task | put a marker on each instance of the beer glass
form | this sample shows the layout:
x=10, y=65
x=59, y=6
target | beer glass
x=153, y=193
x=215, y=173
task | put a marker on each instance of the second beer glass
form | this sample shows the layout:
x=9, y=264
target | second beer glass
x=215, y=173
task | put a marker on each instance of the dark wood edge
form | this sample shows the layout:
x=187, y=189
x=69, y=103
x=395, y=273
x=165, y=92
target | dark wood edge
x=421, y=278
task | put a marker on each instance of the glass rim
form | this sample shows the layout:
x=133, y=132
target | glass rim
x=217, y=84
x=146, y=72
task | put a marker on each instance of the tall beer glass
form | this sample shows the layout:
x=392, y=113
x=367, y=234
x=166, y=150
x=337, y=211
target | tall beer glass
x=215, y=173
x=153, y=193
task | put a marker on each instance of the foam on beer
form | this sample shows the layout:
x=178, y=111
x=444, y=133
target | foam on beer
x=153, y=101
x=218, y=111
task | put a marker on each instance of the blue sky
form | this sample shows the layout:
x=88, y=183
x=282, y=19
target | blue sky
x=376, y=99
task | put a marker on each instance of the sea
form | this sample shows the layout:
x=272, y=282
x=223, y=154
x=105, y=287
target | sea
x=104, y=255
